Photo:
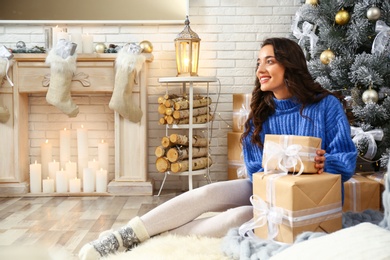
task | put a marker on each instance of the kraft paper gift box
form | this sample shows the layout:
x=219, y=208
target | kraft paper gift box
x=241, y=108
x=235, y=158
x=290, y=152
x=308, y=202
x=361, y=193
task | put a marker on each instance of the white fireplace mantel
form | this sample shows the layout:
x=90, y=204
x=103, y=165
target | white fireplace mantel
x=95, y=74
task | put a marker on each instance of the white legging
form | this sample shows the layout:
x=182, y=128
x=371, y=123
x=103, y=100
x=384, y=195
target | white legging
x=178, y=214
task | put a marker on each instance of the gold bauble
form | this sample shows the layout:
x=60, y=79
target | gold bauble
x=370, y=96
x=146, y=46
x=342, y=17
x=373, y=13
x=327, y=56
x=312, y=2
x=100, y=47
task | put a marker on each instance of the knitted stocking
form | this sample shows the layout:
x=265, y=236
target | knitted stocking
x=385, y=223
x=125, y=238
x=61, y=73
x=128, y=64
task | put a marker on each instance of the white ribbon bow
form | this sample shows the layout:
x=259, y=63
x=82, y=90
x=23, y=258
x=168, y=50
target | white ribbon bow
x=373, y=135
x=263, y=215
x=381, y=39
x=307, y=31
x=287, y=157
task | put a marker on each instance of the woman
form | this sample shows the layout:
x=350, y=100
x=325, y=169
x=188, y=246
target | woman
x=286, y=100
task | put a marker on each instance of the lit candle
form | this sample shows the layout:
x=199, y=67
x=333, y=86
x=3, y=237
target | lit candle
x=35, y=177
x=62, y=35
x=74, y=185
x=48, y=185
x=55, y=31
x=103, y=155
x=46, y=157
x=61, y=181
x=82, y=149
x=87, y=43
x=71, y=169
x=93, y=165
x=101, y=180
x=88, y=180
x=54, y=167
x=64, y=146
x=77, y=38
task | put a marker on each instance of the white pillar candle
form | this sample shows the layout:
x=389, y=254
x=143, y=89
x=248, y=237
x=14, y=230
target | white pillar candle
x=101, y=180
x=71, y=169
x=87, y=43
x=103, y=155
x=46, y=157
x=74, y=185
x=62, y=35
x=77, y=38
x=55, y=31
x=48, y=185
x=64, y=146
x=54, y=167
x=61, y=181
x=88, y=180
x=35, y=177
x=82, y=149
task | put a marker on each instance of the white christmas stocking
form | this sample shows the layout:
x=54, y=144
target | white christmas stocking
x=128, y=63
x=61, y=73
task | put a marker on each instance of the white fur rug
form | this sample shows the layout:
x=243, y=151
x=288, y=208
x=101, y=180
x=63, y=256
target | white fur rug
x=171, y=247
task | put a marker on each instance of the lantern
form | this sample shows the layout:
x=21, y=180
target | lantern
x=187, y=45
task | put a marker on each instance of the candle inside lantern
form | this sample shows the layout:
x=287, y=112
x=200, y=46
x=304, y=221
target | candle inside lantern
x=61, y=181
x=88, y=180
x=46, y=157
x=103, y=155
x=48, y=185
x=101, y=180
x=35, y=177
x=74, y=185
x=64, y=146
x=82, y=149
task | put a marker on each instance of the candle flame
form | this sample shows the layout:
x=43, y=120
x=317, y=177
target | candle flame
x=35, y=161
x=65, y=129
x=47, y=141
x=82, y=126
x=102, y=141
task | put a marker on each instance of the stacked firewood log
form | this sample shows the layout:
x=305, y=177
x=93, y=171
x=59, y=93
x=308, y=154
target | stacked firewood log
x=172, y=155
x=176, y=109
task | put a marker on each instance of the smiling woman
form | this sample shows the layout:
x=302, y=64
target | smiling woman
x=93, y=11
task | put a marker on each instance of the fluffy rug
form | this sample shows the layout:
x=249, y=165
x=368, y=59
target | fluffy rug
x=172, y=247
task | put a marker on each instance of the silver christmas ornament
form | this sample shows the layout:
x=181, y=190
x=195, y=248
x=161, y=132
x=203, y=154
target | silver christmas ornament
x=370, y=96
x=20, y=45
x=373, y=13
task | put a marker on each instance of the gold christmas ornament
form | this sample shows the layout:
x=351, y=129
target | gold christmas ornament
x=146, y=46
x=370, y=96
x=312, y=2
x=100, y=47
x=373, y=13
x=327, y=56
x=342, y=17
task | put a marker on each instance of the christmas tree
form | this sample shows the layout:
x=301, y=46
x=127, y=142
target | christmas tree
x=347, y=45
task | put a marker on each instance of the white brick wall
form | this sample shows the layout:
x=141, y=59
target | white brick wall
x=231, y=33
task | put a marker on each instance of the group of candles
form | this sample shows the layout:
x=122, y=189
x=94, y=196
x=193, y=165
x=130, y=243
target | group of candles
x=66, y=176
x=84, y=41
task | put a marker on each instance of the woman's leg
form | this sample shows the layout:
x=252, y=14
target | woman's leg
x=218, y=196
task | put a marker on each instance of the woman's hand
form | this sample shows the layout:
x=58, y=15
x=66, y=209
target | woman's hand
x=320, y=161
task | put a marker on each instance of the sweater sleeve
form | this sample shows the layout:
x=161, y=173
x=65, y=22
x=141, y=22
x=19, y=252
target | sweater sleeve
x=341, y=153
x=253, y=156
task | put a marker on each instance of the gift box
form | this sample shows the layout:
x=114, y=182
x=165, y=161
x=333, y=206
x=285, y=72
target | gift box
x=295, y=204
x=290, y=153
x=241, y=108
x=361, y=193
x=235, y=158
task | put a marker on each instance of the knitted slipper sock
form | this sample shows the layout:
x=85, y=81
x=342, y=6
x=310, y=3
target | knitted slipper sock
x=124, y=239
x=61, y=73
x=385, y=223
x=127, y=64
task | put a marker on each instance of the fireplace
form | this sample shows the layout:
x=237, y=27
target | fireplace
x=32, y=121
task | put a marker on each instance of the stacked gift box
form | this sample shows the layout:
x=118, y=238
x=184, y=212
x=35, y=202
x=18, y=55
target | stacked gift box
x=241, y=107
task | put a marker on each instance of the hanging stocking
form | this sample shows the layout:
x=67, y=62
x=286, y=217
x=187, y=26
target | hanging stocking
x=128, y=63
x=62, y=62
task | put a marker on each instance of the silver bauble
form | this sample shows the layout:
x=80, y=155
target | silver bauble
x=370, y=96
x=373, y=13
x=20, y=45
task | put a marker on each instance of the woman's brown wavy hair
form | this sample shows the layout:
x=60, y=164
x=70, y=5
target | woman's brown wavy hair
x=299, y=82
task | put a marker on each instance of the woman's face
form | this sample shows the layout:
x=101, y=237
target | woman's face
x=271, y=73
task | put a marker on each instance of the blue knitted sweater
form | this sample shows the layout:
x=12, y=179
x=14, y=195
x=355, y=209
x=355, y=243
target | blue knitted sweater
x=327, y=121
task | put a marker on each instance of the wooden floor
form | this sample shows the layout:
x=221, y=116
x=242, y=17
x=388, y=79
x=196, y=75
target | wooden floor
x=68, y=222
